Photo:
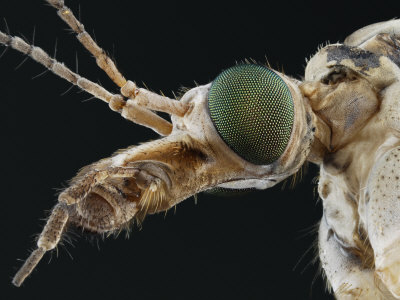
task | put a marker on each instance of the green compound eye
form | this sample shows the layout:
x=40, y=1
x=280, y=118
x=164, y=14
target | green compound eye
x=252, y=110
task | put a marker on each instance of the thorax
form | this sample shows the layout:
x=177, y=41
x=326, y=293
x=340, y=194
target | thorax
x=344, y=176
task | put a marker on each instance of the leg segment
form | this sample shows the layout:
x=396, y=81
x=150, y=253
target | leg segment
x=344, y=272
x=48, y=240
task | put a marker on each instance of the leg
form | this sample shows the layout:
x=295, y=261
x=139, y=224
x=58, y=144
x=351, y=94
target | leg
x=139, y=115
x=143, y=97
x=344, y=272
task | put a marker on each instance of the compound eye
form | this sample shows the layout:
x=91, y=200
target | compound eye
x=252, y=110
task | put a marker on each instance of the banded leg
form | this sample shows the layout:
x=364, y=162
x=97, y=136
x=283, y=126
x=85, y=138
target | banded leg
x=139, y=115
x=142, y=96
x=349, y=281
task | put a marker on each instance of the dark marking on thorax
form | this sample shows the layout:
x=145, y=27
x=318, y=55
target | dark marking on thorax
x=335, y=165
x=391, y=45
x=361, y=58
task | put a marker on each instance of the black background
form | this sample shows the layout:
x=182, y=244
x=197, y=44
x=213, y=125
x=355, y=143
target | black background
x=221, y=248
